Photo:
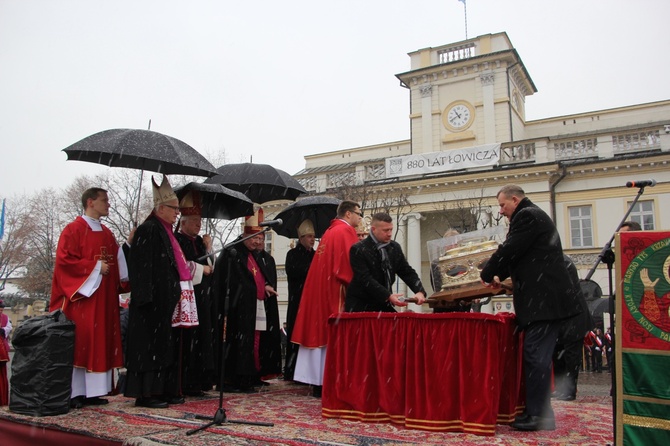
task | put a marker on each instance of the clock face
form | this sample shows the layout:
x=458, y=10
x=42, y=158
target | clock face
x=458, y=117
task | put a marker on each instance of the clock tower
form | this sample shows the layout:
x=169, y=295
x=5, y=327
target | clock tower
x=467, y=94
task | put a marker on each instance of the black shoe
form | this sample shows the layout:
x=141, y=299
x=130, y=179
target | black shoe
x=260, y=382
x=173, y=399
x=566, y=397
x=77, y=402
x=316, y=391
x=95, y=401
x=533, y=423
x=151, y=403
x=520, y=418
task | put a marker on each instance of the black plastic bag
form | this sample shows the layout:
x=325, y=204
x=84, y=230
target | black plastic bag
x=41, y=381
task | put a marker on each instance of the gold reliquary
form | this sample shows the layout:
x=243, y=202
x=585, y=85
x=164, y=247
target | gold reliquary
x=456, y=272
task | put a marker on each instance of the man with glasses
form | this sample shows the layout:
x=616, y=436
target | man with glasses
x=253, y=341
x=323, y=294
x=162, y=298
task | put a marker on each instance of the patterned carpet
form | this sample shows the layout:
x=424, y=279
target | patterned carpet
x=297, y=421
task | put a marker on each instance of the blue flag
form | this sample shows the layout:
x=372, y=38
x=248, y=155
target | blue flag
x=2, y=220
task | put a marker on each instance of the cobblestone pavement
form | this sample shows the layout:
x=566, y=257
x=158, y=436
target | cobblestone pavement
x=594, y=384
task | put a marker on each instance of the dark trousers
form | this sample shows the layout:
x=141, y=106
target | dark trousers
x=538, y=348
x=567, y=361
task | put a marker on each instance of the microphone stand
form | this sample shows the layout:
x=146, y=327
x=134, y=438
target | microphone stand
x=607, y=256
x=220, y=415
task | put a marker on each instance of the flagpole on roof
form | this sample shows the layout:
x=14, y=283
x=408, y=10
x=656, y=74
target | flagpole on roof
x=465, y=11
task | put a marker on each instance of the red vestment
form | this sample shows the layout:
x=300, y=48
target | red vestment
x=97, y=339
x=325, y=286
x=4, y=360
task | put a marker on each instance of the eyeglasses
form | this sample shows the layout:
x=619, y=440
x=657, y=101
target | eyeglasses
x=174, y=208
x=360, y=214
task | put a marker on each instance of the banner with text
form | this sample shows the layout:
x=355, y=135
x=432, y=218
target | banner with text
x=435, y=162
x=642, y=337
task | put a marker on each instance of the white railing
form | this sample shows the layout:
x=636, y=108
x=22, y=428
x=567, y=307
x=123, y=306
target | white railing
x=636, y=141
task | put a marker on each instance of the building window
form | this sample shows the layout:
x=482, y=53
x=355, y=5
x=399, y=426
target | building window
x=643, y=213
x=581, y=227
x=268, y=242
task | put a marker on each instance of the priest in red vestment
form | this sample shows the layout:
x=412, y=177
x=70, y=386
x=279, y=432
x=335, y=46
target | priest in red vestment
x=88, y=276
x=323, y=294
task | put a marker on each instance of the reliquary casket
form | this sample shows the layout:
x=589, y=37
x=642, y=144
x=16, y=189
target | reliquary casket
x=457, y=273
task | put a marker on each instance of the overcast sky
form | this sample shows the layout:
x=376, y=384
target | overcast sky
x=281, y=80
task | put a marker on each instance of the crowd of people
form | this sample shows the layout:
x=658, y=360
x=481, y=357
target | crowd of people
x=196, y=321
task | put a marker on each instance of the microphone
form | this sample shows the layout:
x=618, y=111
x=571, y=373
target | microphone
x=277, y=222
x=641, y=183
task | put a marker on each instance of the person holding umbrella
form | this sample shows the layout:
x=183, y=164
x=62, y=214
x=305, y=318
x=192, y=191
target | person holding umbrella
x=297, y=265
x=196, y=343
x=162, y=298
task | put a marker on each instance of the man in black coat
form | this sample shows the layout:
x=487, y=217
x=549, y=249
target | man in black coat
x=375, y=262
x=151, y=364
x=196, y=343
x=544, y=295
x=252, y=324
x=297, y=265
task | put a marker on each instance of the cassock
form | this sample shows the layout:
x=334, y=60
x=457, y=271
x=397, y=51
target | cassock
x=91, y=301
x=323, y=294
x=297, y=265
x=252, y=352
x=156, y=289
x=197, y=342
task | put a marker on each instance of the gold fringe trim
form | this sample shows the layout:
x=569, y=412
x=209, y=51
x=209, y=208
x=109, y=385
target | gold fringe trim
x=647, y=422
x=427, y=425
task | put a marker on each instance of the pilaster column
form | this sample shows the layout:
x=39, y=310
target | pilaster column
x=413, y=249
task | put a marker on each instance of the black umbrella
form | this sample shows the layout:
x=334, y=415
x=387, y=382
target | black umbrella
x=599, y=306
x=218, y=201
x=320, y=210
x=260, y=182
x=140, y=149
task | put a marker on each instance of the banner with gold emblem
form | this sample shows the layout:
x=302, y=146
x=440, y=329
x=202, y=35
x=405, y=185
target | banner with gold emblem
x=642, y=338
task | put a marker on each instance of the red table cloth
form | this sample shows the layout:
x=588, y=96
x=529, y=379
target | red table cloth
x=454, y=372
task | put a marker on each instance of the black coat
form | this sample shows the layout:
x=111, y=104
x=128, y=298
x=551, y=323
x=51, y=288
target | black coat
x=368, y=290
x=241, y=320
x=198, y=342
x=297, y=265
x=532, y=256
x=575, y=328
x=155, y=291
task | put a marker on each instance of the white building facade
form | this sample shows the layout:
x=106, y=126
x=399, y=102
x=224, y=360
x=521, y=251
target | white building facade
x=469, y=137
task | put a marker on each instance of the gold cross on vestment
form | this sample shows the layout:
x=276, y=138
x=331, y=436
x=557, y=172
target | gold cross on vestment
x=104, y=256
x=254, y=270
